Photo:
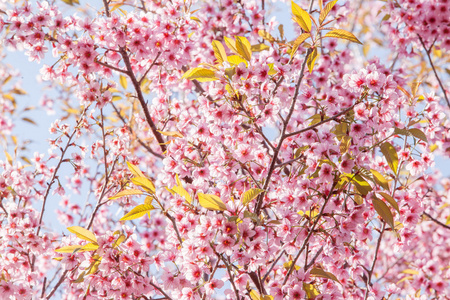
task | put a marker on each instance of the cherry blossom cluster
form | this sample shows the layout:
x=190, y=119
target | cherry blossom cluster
x=218, y=159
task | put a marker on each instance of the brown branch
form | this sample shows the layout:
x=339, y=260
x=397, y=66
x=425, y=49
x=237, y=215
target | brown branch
x=436, y=221
x=427, y=51
x=141, y=99
x=305, y=242
x=370, y=272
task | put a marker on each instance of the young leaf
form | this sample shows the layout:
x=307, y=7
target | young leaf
x=183, y=193
x=310, y=290
x=419, y=134
x=324, y=13
x=231, y=44
x=380, y=180
x=236, y=59
x=391, y=200
x=119, y=241
x=342, y=34
x=267, y=36
x=126, y=193
x=391, y=156
x=312, y=59
x=259, y=48
x=73, y=249
x=384, y=211
x=250, y=195
x=319, y=272
x=219, y=51
x=123, y=82
x=83, y=234
x=144, y=183
x=171, y=133
x=243, y=47
x=211, y=202
x=200, y=74
x=134, y=170
x=138, y=212
x=301, y=17
x=298, y=41
x=360, y=184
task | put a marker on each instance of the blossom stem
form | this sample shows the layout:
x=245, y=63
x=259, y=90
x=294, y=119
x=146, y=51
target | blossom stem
x=436, y=220
x=370, y=272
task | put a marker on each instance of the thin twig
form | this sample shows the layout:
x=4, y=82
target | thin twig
x=436, y=221
x=370, y=272
x=305, y=242
x=427, y=51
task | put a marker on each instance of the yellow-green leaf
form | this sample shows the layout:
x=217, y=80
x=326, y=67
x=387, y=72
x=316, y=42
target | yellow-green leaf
x=123, y=82
x=342, y=34
x=231, y=44
x=183, y=193
x=256, y=296
x=383, y=210
x=83, y=234
x=267, y=36
x=90, y=247
x=211, y=202
x=126, y=193
x=119, y=240
x=318, y=272
x=361, y=185
x=287, y=265
x=144, y=183
x=418, y=134
x=310, y=290
x=312, y=59
x=138, y=212
x=380, y=180
x=70, y=249
x=298, y=41
x=391, y=156
x=9, y=158
x=250, y=195
x=410, y=271
x=391, y=200
x=243, y=47
x=324, y=13
x=200, y=74
x=259, y=48
x=171, y=133
x=236, y=59
x=134, y=170
x=219, y=51
x=301, y=17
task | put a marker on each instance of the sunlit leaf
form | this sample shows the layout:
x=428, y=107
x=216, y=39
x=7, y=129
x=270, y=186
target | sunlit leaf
x=211, y=202
x=383, y=210
x=391, y=200
x=310, y=290
x=391, y=156
x=144, y=183
x=126, y=193
x=267, y=36
x=123, y=82
x=361, y=185
x=243, y=47
x=138, y=212
x=231, y=44
x=259, y=48
x=380, y=180
x=171, y=133
x=318, y=272
x=83, y=233
x=236, y=59
x=250, y=195
x=70, y=249
x=312, y=59
x=200, y=74
x=325, y=11
x=301, y=17
x=219, y=51
x=298, y=41
x=119, y=241
x=418, y=134
x=342, y=34
x=134, y=170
